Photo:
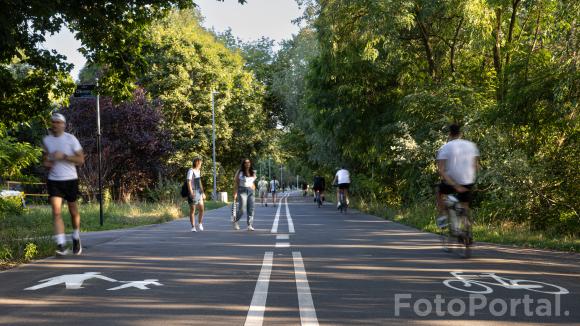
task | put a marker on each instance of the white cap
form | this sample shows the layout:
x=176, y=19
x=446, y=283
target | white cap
x=58, y=117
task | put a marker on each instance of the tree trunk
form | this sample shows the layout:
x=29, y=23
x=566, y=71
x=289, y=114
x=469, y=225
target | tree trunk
x=497, y=54
x=425, y=39
x=453, y=44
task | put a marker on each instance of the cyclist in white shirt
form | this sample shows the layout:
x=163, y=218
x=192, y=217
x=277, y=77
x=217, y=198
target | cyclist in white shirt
x=342, y=179
x=457, y=164
x=62, y=153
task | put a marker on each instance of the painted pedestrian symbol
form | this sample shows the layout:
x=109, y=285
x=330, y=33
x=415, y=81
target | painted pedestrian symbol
x=71, y=281
x=141, y=285
x=75, y=282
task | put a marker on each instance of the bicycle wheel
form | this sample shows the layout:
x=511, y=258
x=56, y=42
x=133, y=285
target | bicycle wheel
x=540, y=287
x=468, y=286
x=445, y=238
x=464, y=246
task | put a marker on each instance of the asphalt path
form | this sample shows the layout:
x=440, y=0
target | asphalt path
x=302, y=265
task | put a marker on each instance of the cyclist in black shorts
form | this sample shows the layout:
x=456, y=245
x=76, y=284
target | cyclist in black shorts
x=318, y=186
x=457, y=164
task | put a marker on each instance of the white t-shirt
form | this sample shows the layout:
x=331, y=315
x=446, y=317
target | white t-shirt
x=68, y=144
x=193, y=174
x=274, y=185
x=263, y=185
x=459, y=156
x=343, y=176
x=246, y=181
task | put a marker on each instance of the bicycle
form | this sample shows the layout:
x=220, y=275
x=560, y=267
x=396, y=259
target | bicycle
x=317, y=198
x=342, y=203
x=470, y=283
x=458, y=232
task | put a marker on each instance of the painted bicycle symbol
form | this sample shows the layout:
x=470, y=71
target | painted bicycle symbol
x=472, y=283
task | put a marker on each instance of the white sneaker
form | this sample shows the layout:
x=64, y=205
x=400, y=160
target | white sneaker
x=441, y=222
x=193, y=229
x=236, y=226
x=250, y=228
x=200, y=226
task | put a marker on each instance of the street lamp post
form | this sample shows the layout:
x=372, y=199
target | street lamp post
x=99, y=145
x=214, y=193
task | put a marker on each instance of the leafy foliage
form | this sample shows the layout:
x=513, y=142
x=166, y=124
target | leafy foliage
x=134, y=143
x=388, y=76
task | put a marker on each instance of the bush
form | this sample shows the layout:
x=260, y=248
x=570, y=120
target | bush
x=164, y=191
x=12, y=205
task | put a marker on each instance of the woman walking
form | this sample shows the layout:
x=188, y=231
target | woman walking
x=196, y=194
x=244, y=193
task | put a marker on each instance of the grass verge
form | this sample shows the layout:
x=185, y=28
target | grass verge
x=29, y=236
x=422, y=217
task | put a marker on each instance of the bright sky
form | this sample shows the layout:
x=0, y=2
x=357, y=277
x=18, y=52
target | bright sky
x=256, y=18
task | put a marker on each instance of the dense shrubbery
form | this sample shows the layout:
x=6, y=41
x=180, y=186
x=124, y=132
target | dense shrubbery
x=389, y=76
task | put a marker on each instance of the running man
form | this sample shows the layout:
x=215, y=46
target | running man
x=62, y=152
x=273, y=188
x=342, y=179
x=457, y=164
x=263, y=191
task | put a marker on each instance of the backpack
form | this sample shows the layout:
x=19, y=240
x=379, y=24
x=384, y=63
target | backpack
x=184, y=189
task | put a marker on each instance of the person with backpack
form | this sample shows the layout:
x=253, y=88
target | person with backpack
x=195, y=194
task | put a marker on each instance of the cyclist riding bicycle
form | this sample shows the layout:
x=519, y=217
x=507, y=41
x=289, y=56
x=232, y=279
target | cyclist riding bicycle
x=457, y=164
x=319, y=185
x=342, y=179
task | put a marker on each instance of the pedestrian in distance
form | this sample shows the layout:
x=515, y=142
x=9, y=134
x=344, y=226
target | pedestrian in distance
x=273, y=189
x=62, y=153
x=244, y=189
x=196, y=195
x=263, y=191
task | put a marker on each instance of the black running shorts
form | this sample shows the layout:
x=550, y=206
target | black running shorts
x=68, y=189
x=464, y=197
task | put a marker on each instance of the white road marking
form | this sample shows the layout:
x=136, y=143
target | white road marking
x=141, y=285
x=282, y=244
x=289, y=217
x=305, y=303
x=276, y=218
x=282, y=237
x=71, y=281
x=258, y=305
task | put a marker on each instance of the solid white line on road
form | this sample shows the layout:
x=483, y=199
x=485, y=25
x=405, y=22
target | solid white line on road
x=288, y=217
x=258, y=305
x=282, y=237
x=277, y=218
x=305, y=303
x=282, y=244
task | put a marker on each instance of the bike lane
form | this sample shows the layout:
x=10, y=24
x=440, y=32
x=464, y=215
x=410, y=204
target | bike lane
x=367, y=271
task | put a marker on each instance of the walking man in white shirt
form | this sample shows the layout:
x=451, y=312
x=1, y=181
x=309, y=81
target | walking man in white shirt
x=62, y=153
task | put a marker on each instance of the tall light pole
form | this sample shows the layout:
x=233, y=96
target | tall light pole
x=99, y=150
x=214, y=193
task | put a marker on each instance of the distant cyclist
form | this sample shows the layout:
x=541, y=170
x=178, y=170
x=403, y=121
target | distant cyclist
x=342, y=179
x=457, y=164
x=319, y=185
